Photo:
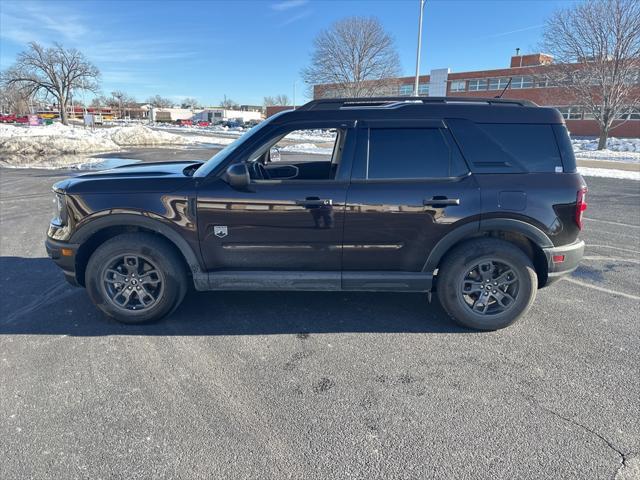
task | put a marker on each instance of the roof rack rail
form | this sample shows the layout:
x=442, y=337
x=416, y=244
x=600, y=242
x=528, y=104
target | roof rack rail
x=387, y=102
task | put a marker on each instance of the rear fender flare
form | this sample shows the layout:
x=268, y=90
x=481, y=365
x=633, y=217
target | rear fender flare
x=468, y=230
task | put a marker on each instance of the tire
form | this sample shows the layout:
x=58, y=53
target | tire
x=136, y=278
x=462, y=284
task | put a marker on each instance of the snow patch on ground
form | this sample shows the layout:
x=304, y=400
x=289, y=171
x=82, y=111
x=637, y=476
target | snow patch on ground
x=626, y=150
x=613, y=144
x=308, y=148
x=62, y=139
x=609, y=173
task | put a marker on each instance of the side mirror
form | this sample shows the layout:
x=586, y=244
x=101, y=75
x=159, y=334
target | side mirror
x=237, y=176
x=274, y=154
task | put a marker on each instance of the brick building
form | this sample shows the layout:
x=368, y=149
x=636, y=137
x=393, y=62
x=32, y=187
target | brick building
x=528, y=74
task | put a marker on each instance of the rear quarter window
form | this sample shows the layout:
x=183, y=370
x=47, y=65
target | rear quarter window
x=533, y=146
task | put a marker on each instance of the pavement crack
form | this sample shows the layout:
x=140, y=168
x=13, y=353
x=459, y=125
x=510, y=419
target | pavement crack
x=623, y=456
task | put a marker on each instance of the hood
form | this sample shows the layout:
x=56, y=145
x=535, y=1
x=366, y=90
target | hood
x=140, y=177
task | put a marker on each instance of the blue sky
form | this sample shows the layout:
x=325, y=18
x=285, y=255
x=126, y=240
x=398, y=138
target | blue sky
x=249, y=49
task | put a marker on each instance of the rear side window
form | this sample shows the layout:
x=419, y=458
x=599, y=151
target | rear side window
x=533, y=146
x=413, y=153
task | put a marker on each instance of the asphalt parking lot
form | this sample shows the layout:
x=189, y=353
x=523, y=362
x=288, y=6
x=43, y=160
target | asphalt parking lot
x=319, y=385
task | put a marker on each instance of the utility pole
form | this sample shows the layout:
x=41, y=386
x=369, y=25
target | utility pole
x=294, y=94
x=415, y=90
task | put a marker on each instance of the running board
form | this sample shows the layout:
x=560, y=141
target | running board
x=381, y=281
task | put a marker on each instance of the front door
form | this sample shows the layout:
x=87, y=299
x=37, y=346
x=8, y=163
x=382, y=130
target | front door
x=291, y=217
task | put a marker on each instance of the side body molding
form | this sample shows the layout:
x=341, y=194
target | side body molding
x=533, y=233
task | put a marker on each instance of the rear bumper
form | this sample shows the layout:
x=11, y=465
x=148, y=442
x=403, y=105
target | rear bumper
x=65, y=261
x=571, y=255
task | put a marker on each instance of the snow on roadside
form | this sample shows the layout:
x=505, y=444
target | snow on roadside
x=61, y=139
x=609, y=173
x=613, y=144
x=308, y=148
x=608, y=156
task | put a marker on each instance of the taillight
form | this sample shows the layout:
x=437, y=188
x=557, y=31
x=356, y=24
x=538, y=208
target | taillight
x=581, y=206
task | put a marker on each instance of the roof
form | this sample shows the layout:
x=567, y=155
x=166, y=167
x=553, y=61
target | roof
x=481, y=110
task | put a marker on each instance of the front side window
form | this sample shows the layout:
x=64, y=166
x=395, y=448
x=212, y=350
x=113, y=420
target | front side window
x=308, y=154
x=413, y=153
x=478, y=84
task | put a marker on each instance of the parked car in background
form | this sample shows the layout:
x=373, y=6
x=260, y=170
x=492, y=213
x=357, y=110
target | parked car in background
x=184, y=123
x=202, y=123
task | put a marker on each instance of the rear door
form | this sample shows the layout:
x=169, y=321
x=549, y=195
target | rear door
x=410, y=187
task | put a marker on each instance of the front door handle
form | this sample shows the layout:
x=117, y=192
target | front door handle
x=440, y=201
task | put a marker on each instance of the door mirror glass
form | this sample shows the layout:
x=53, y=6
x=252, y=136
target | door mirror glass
x=237, y=176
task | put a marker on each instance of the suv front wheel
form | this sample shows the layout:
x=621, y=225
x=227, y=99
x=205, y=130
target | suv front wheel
x=486, y=284
x=136, y=278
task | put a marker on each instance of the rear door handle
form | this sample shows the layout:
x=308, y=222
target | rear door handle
x=438, y=201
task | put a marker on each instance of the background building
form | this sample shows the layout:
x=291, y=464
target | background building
x=529, y=81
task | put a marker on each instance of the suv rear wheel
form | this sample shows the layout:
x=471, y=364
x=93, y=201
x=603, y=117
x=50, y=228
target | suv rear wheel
x=136, y=278
x=487, y=284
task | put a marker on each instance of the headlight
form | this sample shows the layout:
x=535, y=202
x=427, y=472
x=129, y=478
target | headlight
x=59, y=210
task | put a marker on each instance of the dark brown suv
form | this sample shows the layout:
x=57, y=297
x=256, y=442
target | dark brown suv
x=477, y=199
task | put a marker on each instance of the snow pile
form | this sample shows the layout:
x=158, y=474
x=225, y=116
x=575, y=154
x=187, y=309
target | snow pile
x=58, y=139
x=138, y=135
x=613, y=144
x=308, y=148
x=609, y=173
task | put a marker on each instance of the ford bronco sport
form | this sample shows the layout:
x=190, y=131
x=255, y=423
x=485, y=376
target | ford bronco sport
x=478, y=200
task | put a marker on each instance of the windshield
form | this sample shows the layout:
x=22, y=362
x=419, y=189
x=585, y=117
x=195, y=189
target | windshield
x=211, y=164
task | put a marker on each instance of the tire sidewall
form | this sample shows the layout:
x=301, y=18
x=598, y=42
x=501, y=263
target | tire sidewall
x=456, y=269
x=99, y=261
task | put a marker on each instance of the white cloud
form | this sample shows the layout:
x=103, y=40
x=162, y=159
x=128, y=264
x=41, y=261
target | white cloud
x=287, y=5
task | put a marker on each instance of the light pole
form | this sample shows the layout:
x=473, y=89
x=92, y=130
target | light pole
x=294, y=94
x=415, y=90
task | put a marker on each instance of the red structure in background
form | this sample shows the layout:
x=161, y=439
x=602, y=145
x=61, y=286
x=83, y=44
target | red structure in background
x=528, y=75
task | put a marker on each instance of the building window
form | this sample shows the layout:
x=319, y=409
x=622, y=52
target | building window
x=423, y=89
x=525, y=81
x=458, y=86
x=634, y=114
x=571, y=113
x=498, y=83
x=406, y=89
x=476, y=85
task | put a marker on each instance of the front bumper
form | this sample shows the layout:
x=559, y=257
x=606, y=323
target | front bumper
x=571, y=255
x=66, y=259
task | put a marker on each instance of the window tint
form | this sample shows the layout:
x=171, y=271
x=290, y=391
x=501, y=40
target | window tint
x=534, y=146
x=413, y=153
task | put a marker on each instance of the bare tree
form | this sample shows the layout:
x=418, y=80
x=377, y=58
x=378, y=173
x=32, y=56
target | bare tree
x=159, y=102
x=12, y=100
x=190, y=102
x=597, y=48
x=281, y=99
x=55, y=70
x=228, y=103
x=356, y=56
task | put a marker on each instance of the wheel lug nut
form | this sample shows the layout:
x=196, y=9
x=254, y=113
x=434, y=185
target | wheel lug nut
x=495, y=291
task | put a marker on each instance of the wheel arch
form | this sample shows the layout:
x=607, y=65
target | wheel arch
x=93, y=234
x=525, y=236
